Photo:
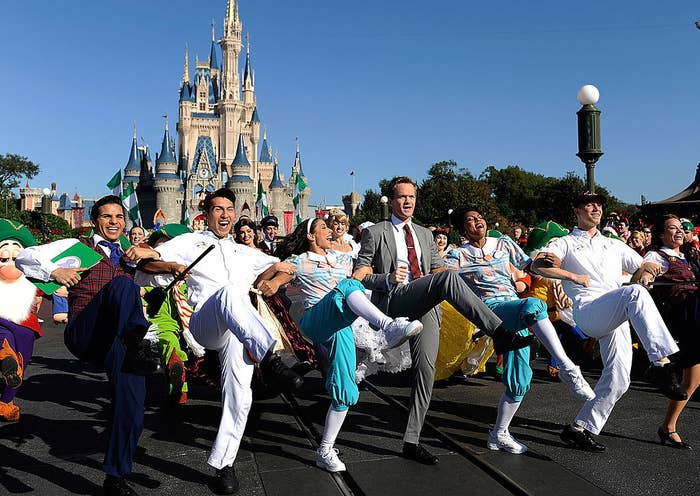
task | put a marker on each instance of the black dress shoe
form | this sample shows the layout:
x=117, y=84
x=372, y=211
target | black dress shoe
x=666, y=379
x=505, y=340
x=144, y=359
x=418, y=453
x=303, y=368
x=666, y=436
x=117, y=486
x=226, y=481
x=583, y=440
x=277, y=375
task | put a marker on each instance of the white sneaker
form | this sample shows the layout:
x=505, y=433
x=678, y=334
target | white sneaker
x=400, y=330
x=328, y=460
x=504, y=441
x=578, y=385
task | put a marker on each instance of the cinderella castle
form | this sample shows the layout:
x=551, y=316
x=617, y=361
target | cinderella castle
x=218, y=144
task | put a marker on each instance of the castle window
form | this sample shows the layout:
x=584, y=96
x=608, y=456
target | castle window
x=202, y=106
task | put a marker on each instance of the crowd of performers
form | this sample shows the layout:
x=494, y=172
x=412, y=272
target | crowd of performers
x=401, y=298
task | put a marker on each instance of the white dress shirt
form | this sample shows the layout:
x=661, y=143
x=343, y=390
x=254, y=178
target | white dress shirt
x=228, y=264
x=603, y=259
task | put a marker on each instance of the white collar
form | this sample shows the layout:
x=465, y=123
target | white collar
x=670, y=252
x=329, y=258
x=398, y=223
x=576, y=231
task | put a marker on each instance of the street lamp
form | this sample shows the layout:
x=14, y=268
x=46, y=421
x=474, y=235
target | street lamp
x=385, y=207
x=45, y=212
x=589, y=131
x=449, y=218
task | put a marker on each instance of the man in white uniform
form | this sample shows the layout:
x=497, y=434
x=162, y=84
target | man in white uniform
x=590, y=266
x=225, y=320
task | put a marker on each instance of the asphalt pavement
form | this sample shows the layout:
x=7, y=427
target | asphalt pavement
x=57, y=446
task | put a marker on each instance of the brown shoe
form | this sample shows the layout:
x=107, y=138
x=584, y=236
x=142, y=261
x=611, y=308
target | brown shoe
x=10, y=365
x=9, y=412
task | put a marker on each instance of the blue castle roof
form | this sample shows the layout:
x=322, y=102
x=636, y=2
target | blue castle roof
x=64, y=202
x=204, y=146
x=255, y=117
x=134, y=163
x=213, y=62
x=241, y=158
x=265, y=152
x=186, y=94
x=276, y=181
x=166, y=155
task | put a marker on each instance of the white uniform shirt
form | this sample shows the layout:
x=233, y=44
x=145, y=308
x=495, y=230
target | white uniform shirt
x=652, y=256
x=401, y=248
x=229, y=263
x=603, y=259
x=36, y=263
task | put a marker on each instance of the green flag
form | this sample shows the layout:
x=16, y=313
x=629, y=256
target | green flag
x=299, y=186
x=127, y=195
x=115, y=184
x=261, y=208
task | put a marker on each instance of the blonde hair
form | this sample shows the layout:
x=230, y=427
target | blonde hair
x=339, y=217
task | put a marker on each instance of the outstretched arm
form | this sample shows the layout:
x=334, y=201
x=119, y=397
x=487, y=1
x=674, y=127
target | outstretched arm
x=549, y=265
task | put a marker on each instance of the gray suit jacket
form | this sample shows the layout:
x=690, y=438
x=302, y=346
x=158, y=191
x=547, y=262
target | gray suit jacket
x=378, y=250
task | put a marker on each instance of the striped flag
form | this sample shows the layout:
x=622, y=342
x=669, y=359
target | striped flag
x=261, y=208
x=127, y=195
x=299, y=186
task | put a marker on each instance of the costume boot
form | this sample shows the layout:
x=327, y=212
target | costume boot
x=176, y=377
x=9, y=412
x=11, y=365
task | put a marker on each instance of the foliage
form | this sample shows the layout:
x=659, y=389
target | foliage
x=504, y=197
x=12, y=169
x=56, y=227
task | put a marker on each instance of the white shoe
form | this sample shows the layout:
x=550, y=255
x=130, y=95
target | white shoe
x=328, y=460
x=504, y=441
x=400, y=330
x=578, y=385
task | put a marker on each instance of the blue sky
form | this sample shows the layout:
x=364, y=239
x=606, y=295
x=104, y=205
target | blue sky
x=378, y=87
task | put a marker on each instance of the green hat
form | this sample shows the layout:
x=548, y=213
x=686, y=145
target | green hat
x=493, y=233
x=169, y=230
x=11, y=229
x=688, y=226
x=542, y=233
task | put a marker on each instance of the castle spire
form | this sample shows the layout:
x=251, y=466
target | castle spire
x=213, y=61
x=297, y=162
x=247, y=73
x=134, y=163
x=186, y=73
x=276, y=181
x=166, y=152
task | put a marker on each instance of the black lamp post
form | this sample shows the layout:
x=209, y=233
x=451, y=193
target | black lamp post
x=589, y=132
x=385, y=207
x=45, y=212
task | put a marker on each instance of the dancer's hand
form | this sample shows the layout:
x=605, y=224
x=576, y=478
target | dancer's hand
x=66, y=277
x=581, y=279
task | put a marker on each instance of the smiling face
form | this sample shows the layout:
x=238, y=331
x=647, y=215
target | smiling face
x=672, y=235
x=246, y=236
x=320, y=235
x=220, y=216
x=474, y=226
x=441, y=242
x=338, y=228
x=136, y=235
x=403, y=201
x=588, y=215
x=270, y=232
x=110, y=222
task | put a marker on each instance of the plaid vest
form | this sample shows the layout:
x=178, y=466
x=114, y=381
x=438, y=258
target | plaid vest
x=94, y=279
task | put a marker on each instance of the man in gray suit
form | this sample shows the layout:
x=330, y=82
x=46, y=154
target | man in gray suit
x=410, y=280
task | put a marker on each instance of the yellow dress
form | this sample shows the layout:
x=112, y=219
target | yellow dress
x=457, y=350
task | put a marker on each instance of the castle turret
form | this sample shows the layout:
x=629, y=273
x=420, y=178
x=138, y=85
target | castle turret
x=132, y=171
x=167, y=183
x=240, y=181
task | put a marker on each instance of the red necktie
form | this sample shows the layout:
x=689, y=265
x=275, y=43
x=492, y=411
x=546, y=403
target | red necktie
x=412, y=258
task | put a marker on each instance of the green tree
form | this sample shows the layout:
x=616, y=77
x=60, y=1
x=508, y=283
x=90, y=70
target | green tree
x=517, y=193
x=369, y=210
x=12, y=169
x=53, y=226
x=450, y=187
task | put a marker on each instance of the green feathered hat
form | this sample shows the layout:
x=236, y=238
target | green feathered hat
x=169, y=230
x=494, y=233
x=542, y=233
x=11, y=229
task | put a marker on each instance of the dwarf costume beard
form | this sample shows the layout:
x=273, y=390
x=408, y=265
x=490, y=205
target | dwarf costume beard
x=17, y=299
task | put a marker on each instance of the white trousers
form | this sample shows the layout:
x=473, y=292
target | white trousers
x=228, y=324
x=606, y=319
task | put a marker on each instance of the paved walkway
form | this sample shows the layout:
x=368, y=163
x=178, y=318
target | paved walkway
x=56, y=448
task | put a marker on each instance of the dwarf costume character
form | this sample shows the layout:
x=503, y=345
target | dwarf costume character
x=19, y=325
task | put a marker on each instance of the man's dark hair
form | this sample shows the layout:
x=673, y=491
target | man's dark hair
x=105, y=200
x=219, y=193
x=391, y=188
